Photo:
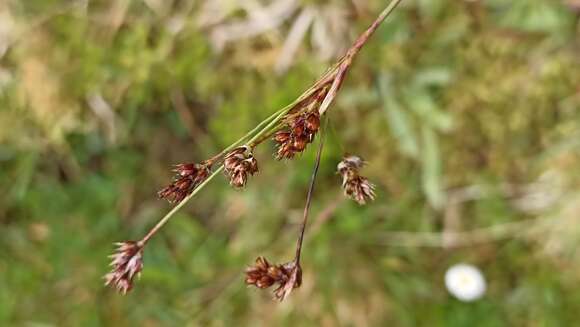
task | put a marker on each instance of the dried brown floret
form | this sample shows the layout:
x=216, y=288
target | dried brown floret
x=127, y=262
x=302, y=129
x=263, y=275
x=238, y=164
x=187, y=177
x=355, y=186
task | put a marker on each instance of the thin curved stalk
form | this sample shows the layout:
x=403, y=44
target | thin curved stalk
x=175, y=209
x=308, y=201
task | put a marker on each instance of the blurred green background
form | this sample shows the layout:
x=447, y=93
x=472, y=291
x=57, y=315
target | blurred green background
x=468, y=113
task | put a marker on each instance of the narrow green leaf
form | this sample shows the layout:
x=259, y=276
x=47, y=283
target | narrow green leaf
x=423, y=104
x=432, y=168
x=399, y=122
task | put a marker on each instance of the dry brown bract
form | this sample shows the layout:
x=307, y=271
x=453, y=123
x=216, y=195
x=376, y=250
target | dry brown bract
x=263, y=275
x=355, y=186
x=238, y=164
x=188, y=176
x=127, y=263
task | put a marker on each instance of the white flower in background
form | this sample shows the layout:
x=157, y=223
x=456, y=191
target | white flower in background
x=465, y=282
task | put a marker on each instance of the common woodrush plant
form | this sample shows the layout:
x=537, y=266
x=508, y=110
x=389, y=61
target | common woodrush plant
x=292, y=128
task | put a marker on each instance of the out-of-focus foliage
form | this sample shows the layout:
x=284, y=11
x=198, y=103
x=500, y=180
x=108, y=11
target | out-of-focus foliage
x=468, y=113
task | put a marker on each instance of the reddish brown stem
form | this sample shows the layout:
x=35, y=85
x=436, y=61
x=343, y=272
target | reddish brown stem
x=308, y=201
x=363, y=38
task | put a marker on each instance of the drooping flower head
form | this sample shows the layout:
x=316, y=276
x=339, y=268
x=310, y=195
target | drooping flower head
x=127, y=262
x=355, y=186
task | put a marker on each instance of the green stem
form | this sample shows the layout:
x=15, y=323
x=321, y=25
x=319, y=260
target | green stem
x=173, y=211
x=258, y=129
x=268, y=127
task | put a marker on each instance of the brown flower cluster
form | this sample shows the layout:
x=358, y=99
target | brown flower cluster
x=238, y=164
x=127, y=262
x=187, y=177
x=294, y=127
x=301, y=130
x=262, y=274
x=355, y=186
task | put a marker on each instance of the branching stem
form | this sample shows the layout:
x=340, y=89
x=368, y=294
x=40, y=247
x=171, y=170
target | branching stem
x=332, y=79
x=309, y=199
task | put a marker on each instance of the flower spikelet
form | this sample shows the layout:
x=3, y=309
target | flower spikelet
x=286, y=276
x=355, y=186
x=238, y=164
x=301, y=130
x=187, y=177
x=127, y=262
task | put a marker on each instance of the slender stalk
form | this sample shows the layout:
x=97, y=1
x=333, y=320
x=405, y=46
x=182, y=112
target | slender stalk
x=256, y=131
x=271, y=128
x=346, y=61
x=265, y=136
x=281, y=113
x=363, y=38
x=308, y=201
x=170, y=214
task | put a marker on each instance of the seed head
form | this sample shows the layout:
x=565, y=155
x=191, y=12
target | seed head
x=355, y=186
x=127, y=262
x=238, y=164
x=263, y=275
x=301, y=130
x=187, y=177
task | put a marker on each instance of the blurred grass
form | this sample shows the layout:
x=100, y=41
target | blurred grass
x=99, y=98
